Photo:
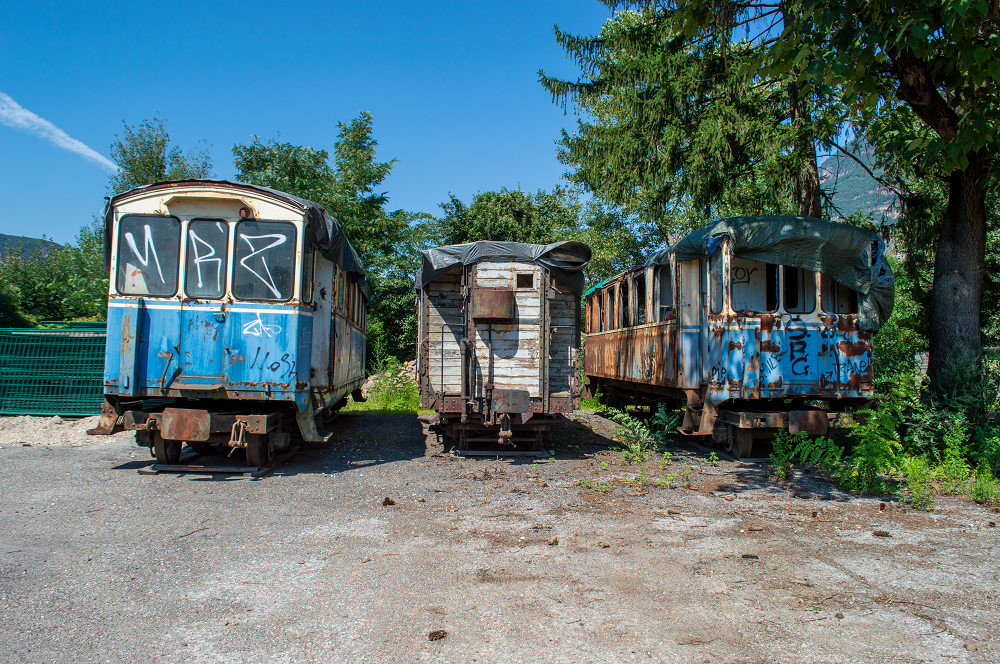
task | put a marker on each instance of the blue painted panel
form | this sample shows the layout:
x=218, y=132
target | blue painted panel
x=202, y=332
x=800, y=346
x=262, y=348
x=161, y=323
x=690, y=351
x=131, y=344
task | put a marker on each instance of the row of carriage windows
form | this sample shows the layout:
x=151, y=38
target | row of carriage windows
x=754, y=288
x=263, y=260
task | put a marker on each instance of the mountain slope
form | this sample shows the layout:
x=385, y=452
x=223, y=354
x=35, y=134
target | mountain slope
x=854, y=190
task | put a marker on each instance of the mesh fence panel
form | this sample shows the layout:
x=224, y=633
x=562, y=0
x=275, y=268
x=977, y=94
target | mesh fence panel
x=52, y=371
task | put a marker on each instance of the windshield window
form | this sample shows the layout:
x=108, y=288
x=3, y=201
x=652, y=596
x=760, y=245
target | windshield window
x=207, y=256
x=264, y=260
x=148, y=253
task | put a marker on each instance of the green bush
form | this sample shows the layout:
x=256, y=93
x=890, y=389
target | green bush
x=953, y=471
x=918, y=476
x=393, y=391
x=984, y=487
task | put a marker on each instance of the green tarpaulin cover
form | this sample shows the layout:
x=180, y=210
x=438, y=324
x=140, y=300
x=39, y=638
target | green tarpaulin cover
x=850, y=255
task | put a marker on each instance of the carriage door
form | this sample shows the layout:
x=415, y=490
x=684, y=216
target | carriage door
x=202, y=334
x=754, y=298
x=508, y=317
x=689, y=303
x=801, y=330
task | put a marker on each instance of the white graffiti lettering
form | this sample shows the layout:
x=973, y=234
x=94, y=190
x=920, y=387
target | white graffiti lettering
x=148, y=247
x=207, y=258
x=257, y=328
x=269, y=281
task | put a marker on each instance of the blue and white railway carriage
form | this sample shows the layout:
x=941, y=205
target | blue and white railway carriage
x=240, y=307
x=749, y=321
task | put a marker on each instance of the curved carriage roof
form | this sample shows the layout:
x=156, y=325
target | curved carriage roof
x=327, y=234
x=565, y=259
x=850, y=255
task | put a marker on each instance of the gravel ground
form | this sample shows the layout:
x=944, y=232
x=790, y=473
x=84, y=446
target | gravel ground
x=514, y=560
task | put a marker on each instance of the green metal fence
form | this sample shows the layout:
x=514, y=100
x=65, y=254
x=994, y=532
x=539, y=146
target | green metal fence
x=52, y=371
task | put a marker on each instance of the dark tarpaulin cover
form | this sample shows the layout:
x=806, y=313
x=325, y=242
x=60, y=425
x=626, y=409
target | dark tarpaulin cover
x=565, y=259
x=327, y=234
x=838, y=250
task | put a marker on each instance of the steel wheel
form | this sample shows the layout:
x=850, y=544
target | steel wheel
x=166, y=451
x=259, y=451
x=740, y=442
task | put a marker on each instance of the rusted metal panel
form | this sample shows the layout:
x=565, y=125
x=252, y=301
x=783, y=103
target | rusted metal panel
x=187, y=424
x=493, y=303
x=136, y=419
x=452, y=405
x=128, y=383
x=813, y=422
x=511, y=401
x=641, y=354
x=562, y=404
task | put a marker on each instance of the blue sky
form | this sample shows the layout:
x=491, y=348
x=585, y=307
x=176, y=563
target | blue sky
x=452, y=87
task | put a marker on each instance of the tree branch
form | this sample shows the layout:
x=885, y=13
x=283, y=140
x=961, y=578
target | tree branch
x=869, y=171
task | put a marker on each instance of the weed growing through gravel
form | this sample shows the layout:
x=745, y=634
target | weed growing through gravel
x=685, y=474
x=713, y=459
x=594, y=485
x=665, y=461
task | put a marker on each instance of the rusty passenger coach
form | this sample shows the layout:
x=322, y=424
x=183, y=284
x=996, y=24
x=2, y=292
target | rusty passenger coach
x=499, y=338
x=236, y=315
x=751, y=324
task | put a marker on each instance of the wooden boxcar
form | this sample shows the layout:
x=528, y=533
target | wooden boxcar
x=236, y=314
x=499, y=338
x=753, y=324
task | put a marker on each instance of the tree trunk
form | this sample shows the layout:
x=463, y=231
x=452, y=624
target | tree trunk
x=807, y=179
x=958, y=279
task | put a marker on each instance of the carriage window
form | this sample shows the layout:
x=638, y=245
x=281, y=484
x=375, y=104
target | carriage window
x=612, y=322
x=207, y=258
x=308, y=266
x=753, y=285
x=526, y=281
x=799, y=290
x=640, y=299
x=264, y=260
x=666, y=292
x=715, y=282
x=838, y=298
x=148, y=255
x=623, y=303
x=600, y=312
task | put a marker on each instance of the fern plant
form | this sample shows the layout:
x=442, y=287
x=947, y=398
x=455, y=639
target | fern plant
x=633, y=435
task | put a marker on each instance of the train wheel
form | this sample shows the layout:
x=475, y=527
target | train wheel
x=740, y=442
x=166, y=451
x=259, y=451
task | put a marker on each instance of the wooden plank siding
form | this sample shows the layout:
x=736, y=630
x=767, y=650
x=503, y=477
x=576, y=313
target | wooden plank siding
x=444, y=329
x=525, y=351
x=515, y=346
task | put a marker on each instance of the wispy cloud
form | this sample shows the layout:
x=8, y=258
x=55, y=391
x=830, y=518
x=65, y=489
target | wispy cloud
x=14, y=115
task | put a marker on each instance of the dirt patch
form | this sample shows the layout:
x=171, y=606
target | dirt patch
x=51, y=431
